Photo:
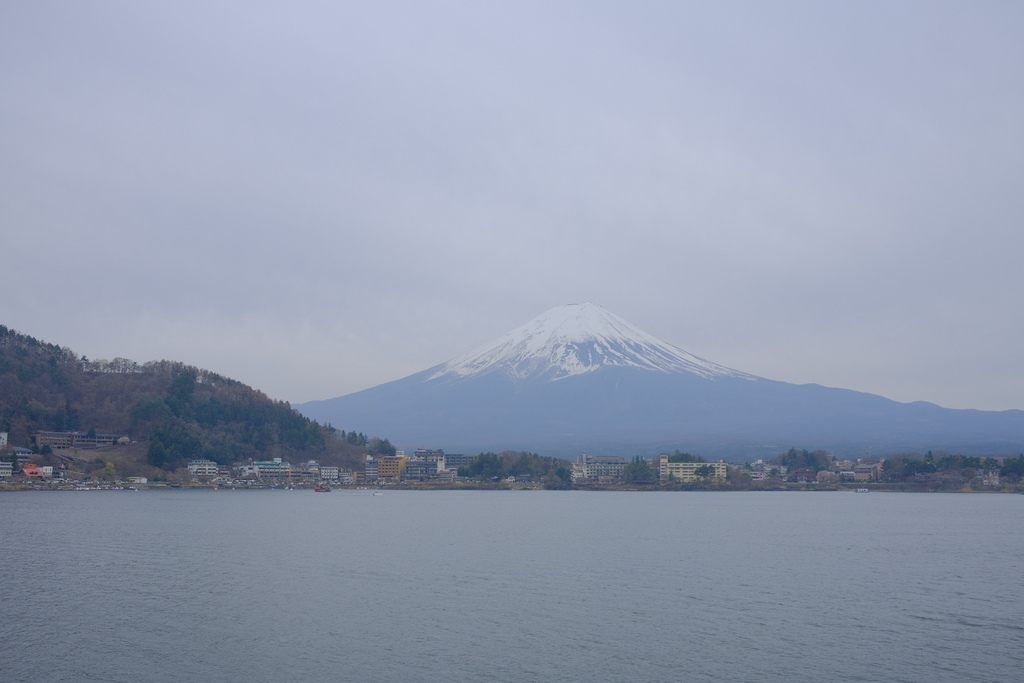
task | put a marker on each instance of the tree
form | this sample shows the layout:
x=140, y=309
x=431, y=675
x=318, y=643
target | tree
x=558, y=478
x=109, y=471
x=379, y=446
x=684, y=457
x=803, y=460
x=179, y=395
x=157, y=453
x=486, y=466
x=1013, y=467
x=639, y=471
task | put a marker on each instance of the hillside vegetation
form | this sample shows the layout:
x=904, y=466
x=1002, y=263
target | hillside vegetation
x=174, y=412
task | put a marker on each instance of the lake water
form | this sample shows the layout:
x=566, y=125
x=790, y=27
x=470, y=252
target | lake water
x=510, y=586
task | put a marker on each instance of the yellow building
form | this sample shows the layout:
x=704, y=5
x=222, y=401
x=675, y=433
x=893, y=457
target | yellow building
x=389, y=466
x=687, y=471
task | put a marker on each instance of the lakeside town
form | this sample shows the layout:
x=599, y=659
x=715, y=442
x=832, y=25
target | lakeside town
x=74, y=460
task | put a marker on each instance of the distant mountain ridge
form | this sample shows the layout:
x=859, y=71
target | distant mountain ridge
x=580, y=379
x=171, y=412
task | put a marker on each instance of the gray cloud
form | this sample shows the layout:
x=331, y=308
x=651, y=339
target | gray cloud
x=316, y=198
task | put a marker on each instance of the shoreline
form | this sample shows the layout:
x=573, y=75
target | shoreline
x=861, y=487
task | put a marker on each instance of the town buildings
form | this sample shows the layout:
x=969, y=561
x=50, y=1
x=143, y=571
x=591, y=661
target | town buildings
x=419, y=470
x=203, y=468
x=867, y=471
x=273, y=469
x=598, y=467
x=77, y=439
x=453, y=461
x=424, y=464
x=690, y=471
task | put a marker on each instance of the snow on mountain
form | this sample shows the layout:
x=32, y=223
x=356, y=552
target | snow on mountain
x=572, y=340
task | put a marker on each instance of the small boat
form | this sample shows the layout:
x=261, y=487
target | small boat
x=322, y=488
x=378, y=493
x=862, y=490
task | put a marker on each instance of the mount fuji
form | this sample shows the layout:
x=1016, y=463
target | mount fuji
x=580, y=379
x=572, y=340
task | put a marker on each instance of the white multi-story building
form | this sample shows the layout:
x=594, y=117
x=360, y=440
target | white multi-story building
x=329, y=473
x=597, y=466
x=203, y=468
x=273, y=469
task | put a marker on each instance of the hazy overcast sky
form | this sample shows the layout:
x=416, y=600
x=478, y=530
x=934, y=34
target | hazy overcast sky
x=319, y=197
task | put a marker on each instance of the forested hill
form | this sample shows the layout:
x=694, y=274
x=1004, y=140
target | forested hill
x=177, y=411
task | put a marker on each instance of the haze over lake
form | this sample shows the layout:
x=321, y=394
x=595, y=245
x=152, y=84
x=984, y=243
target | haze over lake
x=511, y=586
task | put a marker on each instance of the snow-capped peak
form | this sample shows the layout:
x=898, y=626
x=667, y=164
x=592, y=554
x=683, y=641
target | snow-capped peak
x=575, y=339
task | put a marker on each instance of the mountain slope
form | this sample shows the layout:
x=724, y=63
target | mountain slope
x=579, y=379
x=176, y=412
